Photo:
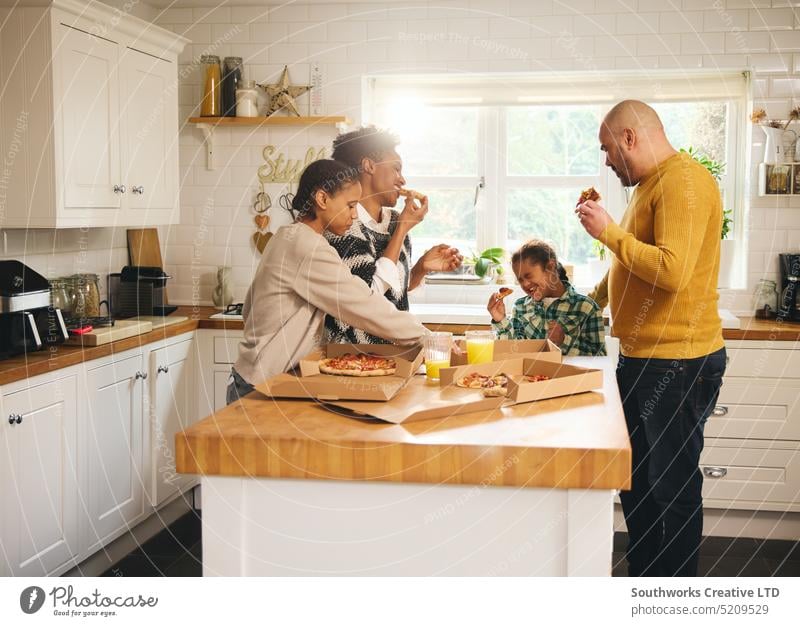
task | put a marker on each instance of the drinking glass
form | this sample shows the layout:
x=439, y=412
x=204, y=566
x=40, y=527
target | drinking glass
x=436, y=349
x=480, y=346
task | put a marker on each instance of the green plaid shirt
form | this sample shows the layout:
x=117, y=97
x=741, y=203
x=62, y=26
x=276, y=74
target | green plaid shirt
x=579, y=316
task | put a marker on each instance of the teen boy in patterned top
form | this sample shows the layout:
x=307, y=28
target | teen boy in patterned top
x=377, y=247
x=552, y=309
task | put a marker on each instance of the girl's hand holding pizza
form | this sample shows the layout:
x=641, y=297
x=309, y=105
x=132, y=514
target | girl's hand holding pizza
x=496, y=307
x=413, y=213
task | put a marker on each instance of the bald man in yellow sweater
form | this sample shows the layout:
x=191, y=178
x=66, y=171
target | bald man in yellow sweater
x=662, y=292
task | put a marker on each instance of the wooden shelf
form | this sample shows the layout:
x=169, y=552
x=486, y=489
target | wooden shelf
x=270, y=121
x=209, y=124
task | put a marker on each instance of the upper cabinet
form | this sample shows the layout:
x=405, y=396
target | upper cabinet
x=89, y=117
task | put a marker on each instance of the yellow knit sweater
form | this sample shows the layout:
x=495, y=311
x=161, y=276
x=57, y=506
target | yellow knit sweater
x=662, y=285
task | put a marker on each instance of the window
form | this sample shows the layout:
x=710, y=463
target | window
x=505, y=161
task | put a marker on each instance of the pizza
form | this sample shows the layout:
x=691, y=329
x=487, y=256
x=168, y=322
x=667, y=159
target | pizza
x=504, y=292
x=358, y=365
x=410, y=193
x=490, y=385
x=536, y=378
x=590, y=193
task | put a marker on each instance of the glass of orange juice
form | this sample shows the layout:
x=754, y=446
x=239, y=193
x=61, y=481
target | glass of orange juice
x=436, y=347
x=480, y=346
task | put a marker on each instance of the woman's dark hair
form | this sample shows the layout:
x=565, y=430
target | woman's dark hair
x=540, y=253
x=327, y=175
x=367, y=142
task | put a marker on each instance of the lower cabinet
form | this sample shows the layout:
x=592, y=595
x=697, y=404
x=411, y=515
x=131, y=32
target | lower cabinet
x=114, y=430
x=39, y=496
x=217, y=351
x=172, y=406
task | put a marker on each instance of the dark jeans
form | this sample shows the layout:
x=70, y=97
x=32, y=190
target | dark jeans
x=237, y=388
x=666, y=404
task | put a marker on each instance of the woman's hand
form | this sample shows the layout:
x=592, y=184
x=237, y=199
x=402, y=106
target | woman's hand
x=496, y=308
x=441, y=258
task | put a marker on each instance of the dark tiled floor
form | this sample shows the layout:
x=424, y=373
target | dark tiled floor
x=177, y=551
x=728, y=556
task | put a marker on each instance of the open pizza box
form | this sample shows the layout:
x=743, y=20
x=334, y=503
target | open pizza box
x=306, y=380
x=419, y=400
x=564, y=380
x=543, y=349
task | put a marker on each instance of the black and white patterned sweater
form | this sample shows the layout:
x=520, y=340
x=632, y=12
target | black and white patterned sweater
x=360, y=248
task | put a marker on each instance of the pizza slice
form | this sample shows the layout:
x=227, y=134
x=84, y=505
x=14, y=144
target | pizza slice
x=536, y=378
x=504, y=292
x=410, y=193
x=358, y=365
x=492, y=386
x=590, y=193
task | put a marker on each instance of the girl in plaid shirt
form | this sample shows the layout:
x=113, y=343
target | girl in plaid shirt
x=552, y=309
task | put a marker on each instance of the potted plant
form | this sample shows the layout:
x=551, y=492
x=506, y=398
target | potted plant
x=488, y=261
x=727, y=246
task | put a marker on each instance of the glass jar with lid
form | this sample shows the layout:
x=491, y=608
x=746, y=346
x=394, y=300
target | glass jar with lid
x=211, y=104
x=765, y=299
x=85, y=295
x=231, y=81
x=59, y=295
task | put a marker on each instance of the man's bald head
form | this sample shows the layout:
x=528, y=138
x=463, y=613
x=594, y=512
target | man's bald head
x=633, y=114
x=633, y=138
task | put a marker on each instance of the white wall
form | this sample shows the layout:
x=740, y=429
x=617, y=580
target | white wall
x=353, y=39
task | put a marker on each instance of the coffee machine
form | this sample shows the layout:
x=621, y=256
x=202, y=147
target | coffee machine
x=27, y=320
x=789, y=299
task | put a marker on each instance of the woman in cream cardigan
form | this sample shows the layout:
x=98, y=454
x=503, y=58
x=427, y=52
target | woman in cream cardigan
x=301, y=279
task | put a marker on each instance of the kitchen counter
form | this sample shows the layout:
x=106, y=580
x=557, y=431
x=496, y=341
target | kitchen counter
x=290, y=488
x=25, y=366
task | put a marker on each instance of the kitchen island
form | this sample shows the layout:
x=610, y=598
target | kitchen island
x=291, y=488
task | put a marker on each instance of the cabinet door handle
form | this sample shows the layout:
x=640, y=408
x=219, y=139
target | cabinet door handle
x=19, y=419
x=138, y=189
x=720, y=410
x=163, y=368
x=119, y=189
x=715, y=472
x=12, y=419
x=142, y=375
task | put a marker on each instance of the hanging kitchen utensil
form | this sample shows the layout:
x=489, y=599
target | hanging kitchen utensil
x=263, y=202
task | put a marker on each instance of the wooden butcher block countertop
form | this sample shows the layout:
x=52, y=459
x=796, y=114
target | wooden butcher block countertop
x=25, y=366
x=571, y=442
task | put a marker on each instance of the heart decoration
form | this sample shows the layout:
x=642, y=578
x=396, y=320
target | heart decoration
x=261, y=240
x=262, y=221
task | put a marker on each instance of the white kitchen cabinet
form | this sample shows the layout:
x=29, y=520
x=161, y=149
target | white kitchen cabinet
x=172, y=405
x=217, y=351
x=87, y=91
x=114, y=430
x=89, y=113
x=150, y=139
x=39, y=529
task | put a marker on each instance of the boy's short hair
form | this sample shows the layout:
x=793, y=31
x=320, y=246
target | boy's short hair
x=367, y=142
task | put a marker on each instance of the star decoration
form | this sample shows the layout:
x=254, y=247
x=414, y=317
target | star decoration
x=282, y=94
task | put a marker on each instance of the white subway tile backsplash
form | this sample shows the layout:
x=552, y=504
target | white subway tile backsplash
x=658, y=44
x=268, y=33
x=527, y=8
x=689, y=61
x=636, y=63
x=725, y=20
x=680, y=22
x=739, y=42
x=632, y=23
x=551, y=25
x=702, y=43
x=289, y=12
x=308, y=32
x=212, y=15
x=785, y=41
x=509, y=28
x=619, y=46
x=784, y=88
x=595, y=24
x=230, y=33
x=573, y=7
x=350, y=32
x=248, y=15
x=772, y=19
x=175, y=16
x=771, y=63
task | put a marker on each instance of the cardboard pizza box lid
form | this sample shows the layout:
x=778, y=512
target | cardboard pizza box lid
x=508, y=348
x=564, y=379
x=419, y=400
x=306, y=381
